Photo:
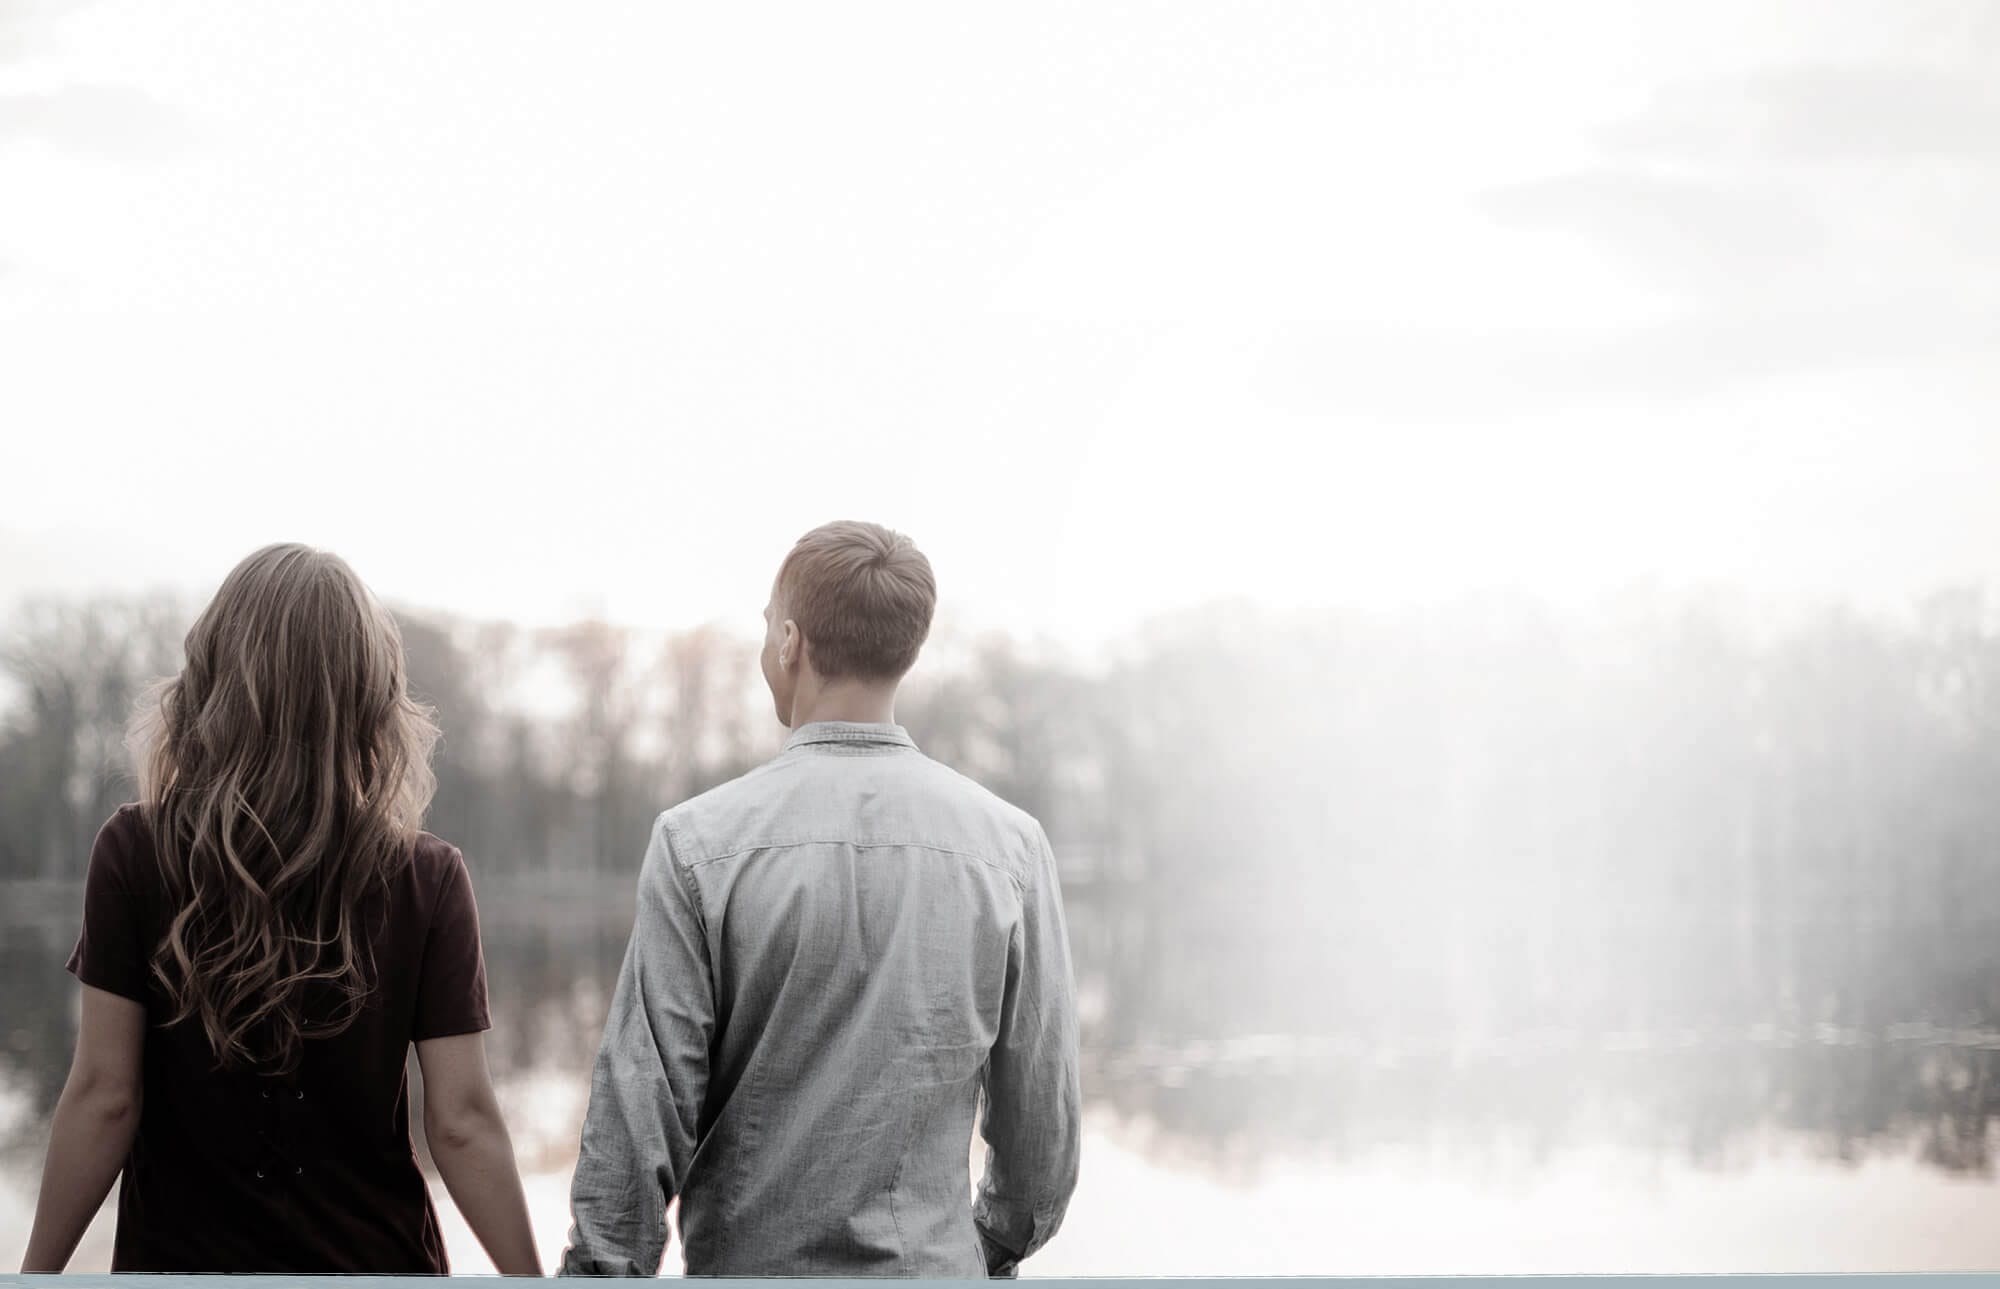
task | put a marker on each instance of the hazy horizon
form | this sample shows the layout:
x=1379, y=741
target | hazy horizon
x=80, y=574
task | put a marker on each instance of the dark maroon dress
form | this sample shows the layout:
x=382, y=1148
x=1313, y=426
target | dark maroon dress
x=310, y=1172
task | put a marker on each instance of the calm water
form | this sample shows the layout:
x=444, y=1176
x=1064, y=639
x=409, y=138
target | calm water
x=1232, y=1129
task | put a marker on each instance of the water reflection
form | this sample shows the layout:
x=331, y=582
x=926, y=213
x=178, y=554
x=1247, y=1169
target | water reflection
x=38, y=1028
x=1175, y=1065
x=1240, y=1100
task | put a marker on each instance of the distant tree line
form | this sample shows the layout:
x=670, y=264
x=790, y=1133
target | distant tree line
x=1478, y=819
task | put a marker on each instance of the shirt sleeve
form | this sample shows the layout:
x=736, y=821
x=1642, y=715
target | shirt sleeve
x=1032, y=1112
x=109, y=952
x=451, y=991
x=651, y=1075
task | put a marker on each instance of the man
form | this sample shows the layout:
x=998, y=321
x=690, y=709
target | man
x=834, y=957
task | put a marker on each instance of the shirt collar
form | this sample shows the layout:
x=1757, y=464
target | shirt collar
x=849, y=732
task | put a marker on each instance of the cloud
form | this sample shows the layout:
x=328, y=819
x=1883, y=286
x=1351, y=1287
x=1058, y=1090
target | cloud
x=1768, y=179
x=1437, y=373
x=21, y=21
x=1728, y=235
x=1819, y=113
x=104, y=120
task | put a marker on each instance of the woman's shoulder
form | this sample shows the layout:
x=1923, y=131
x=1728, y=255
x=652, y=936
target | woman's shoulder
x=422, y=883
x=434, y=852
x=124, y=839
x=127, y=820
x=435, y=863
x=441, y=884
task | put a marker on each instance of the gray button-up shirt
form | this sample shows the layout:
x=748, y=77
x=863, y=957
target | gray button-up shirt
x=834, y=957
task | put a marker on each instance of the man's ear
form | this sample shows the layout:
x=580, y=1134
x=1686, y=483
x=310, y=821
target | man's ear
x=791, y=644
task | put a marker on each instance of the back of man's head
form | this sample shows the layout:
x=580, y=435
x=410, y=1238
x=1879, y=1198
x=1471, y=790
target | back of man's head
x=862, y=596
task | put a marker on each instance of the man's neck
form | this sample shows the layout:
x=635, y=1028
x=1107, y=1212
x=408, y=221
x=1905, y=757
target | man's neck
x=857, y=702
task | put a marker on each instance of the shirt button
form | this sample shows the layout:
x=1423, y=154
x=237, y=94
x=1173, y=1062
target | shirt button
x=264, y=1093
x=298, y=1171
x=299, y=1095
x=260, y=1174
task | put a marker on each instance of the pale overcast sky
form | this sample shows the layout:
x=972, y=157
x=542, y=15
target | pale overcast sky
x=534, y=311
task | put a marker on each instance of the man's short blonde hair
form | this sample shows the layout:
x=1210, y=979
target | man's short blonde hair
x=862, y=596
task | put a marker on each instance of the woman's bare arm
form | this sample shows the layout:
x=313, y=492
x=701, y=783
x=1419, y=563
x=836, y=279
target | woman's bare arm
x=474, y=1155
x=91, y=1134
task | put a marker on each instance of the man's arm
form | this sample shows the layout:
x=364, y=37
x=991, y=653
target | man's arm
x=1032, y=1119
x=647, y=1086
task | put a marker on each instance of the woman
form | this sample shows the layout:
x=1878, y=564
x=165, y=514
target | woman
x=264, y=936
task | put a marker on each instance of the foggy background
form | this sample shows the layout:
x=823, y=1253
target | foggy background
x=1472, y=529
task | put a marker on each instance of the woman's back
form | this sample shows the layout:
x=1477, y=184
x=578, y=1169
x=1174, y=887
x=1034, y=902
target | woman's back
x=307, y=1171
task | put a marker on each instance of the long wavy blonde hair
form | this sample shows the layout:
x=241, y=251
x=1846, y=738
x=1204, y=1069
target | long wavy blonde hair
x=285, y=772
